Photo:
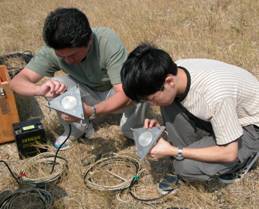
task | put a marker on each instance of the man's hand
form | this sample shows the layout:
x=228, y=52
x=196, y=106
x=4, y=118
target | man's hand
x=51, y=88
x=149, y=123
x=88, y=111
x=162, y=149
x=68, y=118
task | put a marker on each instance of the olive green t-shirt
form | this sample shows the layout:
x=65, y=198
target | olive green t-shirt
x=98, y=71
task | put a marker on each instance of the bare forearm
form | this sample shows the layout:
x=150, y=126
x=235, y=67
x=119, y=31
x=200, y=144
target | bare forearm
x=24, y=87
x=225, y=154
x=210, y=154
x=24, y=83
x=112, y=104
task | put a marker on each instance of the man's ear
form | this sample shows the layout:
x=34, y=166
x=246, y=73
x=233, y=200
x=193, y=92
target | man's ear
x=170, y=80
x=89, y=44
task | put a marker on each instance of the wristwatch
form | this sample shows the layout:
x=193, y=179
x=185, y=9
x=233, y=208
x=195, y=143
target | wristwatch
x=93, y=116
x=179, y=156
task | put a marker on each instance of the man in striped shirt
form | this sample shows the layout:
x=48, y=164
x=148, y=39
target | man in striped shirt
x=210, y=110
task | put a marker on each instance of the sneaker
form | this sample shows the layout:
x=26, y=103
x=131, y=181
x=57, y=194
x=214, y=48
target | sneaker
x=88, y=133
x=77, y=131
x=229, y=178
x=168, y=184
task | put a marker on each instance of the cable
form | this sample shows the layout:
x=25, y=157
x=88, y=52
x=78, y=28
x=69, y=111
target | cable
x=11, y=172
x=154, y=199
x=89, y=180
x=29, y=197
x=52, y=176
x=9, y=199
x=134, y=182
x=44, y=158
x=69, y=133
x=21, y=177
x=126, y=184
x=148, y=201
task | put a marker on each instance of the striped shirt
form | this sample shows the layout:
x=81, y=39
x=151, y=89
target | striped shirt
x=225, y=95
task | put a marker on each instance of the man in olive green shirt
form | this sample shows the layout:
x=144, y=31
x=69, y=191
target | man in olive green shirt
x=90, y=58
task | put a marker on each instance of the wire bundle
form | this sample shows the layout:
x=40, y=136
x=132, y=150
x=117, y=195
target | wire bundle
x=108, y=161
x=104, y=165
x=30, y=198
x=44, y=161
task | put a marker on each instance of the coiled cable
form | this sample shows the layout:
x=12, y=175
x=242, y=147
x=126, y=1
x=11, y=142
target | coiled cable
x=90, y=174
x=44, y=160
x=31, y=198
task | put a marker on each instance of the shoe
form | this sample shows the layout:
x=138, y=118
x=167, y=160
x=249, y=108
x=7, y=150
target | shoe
x=250, y=163
x=88, y=133
x=59, y=142
x=168, y=184
x=77, y=131
x=229, y=178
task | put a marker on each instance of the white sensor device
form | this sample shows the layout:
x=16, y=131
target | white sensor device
x=146, y=138
x=69, y=102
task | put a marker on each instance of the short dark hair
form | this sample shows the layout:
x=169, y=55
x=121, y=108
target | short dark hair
x=145, y=70
x=66, y=28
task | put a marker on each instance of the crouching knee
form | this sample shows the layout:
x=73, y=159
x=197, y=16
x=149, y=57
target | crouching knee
x=189, y=170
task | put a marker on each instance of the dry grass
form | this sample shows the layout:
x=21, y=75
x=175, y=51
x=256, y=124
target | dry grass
x=220, y=29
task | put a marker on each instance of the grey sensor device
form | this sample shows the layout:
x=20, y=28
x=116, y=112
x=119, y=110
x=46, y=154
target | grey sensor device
x=69, y=102
x=146, y=138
